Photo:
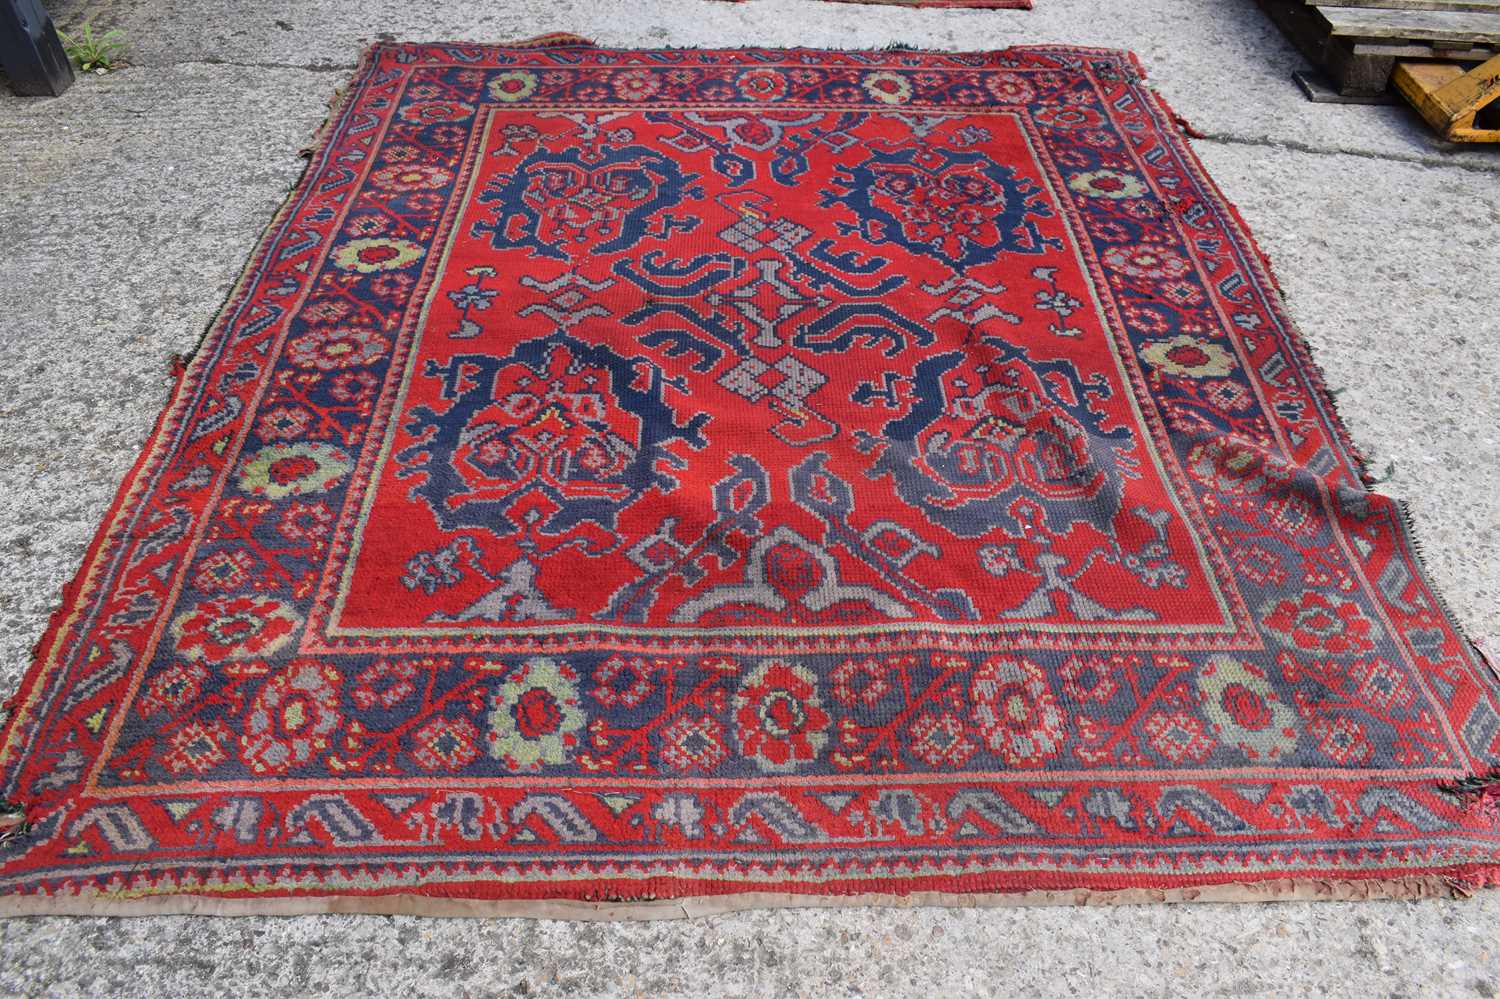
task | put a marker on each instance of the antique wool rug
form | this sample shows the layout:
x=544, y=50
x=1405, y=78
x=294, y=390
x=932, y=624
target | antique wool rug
x=646, y=482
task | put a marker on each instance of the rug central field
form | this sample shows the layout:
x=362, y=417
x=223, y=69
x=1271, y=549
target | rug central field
x=768, y=475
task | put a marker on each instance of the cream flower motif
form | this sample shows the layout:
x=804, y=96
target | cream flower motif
x=513, y=85
x=369, y=256
x=887, y=87
x=283, y=470
x=1189, y=356
x=536, y=715
x=1107, y=184
x=1244, y=710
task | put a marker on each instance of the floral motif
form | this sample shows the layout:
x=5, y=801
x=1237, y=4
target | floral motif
x=779, y=718
x=374, y=254
x=384, y=684
x=940, y=740
x=197, y=747
x=513, y=85
x=535, y=716
x=1380, y=685
x=445, y=744
x=225, y=570
x=411, y=177
x=1009, y=88
x=622, y=682
x=292, y=718
x=1189, y=356
x=1154, y=263
x=234, y=628
x=1016, y=711
x=1110, y=184
x=887, y=87
x=172, y=688
x=1244, y=710
x=340, y=347
x=436, y=112
x=1178, y=736
x=1236, y=467
x=1342, y=739
x=282, y=470
x=762, y=84
x=1318, y=623
x=635, y=84
x=1092, y=678
x=861, y=682
x=693, y=743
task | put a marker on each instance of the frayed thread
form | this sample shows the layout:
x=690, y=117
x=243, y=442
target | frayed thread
x=13, y=824
x=1479, y=793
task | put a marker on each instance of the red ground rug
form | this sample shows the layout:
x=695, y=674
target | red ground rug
x=749, y=477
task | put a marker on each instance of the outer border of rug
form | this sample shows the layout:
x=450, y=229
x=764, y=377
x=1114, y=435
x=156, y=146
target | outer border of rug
x=695, y=906
x=1438, y=882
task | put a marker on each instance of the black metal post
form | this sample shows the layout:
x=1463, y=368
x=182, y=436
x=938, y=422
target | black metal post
x=30, y=51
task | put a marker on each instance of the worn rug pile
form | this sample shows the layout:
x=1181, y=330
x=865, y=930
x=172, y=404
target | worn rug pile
x=647, y=482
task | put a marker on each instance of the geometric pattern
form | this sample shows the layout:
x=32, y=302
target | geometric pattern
x=747, y=474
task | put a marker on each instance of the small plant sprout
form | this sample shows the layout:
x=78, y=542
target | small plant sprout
x=94, y=52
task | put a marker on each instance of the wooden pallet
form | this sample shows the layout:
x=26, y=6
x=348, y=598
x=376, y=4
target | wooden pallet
x=1461, y=107
x=1356, y=43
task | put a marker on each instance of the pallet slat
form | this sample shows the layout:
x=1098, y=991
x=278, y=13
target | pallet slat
x=1411, y=25
x=1476, y=5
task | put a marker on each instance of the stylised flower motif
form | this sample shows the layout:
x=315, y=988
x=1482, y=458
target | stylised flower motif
x=1107, y=184
x=1318, y=623
x=635, y=84
x=887, y=87
x=1092, y=678
x=690, y=743
x=234, y=628
x=1009, y=88
x=283, y=423
x=1380, y=685
x=436, y=112
x=292, y=718
x=281, y=470
x=339, y=347
x=779, y=718
x=373, y=254
x=535, y=715
x=172, y=688
x=225, y=570
x=940, y=740
x=411, y=177
x=1068, y=116
x=1243, y=709
x=1146, y=261
x=1189, y=356
x=445, y=744
x=385, y=684
x=1016, y=712
x=622, y=682
x=1237, y=467
x=861, y=681
x=762, y=84
x=1342, y=740
x=1178, y=736
x=306, y=522
x=197, y=747
x=513, y=85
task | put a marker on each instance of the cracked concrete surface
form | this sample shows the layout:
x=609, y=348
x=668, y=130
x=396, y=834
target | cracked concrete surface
x=129, y=204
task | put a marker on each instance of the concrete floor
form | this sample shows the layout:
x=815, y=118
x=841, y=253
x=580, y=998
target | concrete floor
x=128, y=206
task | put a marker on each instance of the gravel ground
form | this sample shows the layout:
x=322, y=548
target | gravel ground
x=129, y=204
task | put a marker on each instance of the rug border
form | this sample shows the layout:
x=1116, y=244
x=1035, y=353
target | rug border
x=701, y=906
x=1435, y=883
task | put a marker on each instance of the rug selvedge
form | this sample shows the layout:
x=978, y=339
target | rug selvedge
x=957, y=509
